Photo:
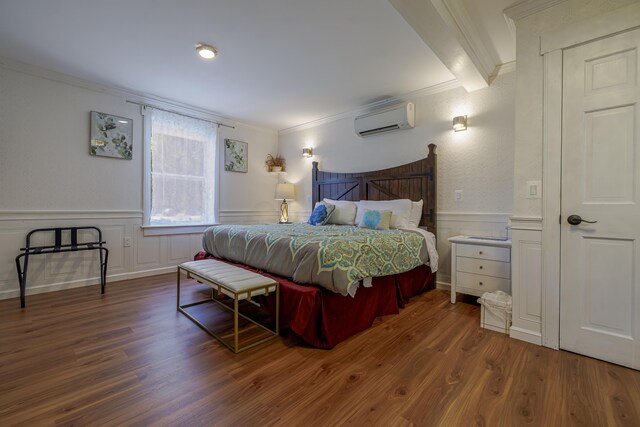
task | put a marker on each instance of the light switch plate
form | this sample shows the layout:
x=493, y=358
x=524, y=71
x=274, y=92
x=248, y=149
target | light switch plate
x=534, y=190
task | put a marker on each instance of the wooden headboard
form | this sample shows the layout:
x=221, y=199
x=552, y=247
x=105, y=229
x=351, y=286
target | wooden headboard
x=413, y=181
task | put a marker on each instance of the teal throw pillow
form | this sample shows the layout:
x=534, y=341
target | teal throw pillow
x=376, y=220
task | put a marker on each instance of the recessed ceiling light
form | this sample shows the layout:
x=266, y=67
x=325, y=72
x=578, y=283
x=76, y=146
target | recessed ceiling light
x=206, y=51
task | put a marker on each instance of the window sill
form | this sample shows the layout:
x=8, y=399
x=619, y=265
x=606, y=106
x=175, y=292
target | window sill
x=165, y=230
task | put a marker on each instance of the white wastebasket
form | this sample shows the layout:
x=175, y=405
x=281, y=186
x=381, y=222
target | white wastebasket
x=496, y=311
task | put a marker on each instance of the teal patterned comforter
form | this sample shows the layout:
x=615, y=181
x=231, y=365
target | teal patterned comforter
x=335, y=257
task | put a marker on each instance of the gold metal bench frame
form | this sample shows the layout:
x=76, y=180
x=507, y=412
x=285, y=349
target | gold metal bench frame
x=218, y=287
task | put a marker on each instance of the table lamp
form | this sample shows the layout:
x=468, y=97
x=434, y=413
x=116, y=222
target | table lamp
x=284, y=191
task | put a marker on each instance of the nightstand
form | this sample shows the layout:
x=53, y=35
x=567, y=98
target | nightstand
x=479, y=265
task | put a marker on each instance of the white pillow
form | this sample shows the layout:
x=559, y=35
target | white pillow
x=344, y=213
x=416, y=214
x=400, y=210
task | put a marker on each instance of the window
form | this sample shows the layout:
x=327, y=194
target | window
x=180, y=170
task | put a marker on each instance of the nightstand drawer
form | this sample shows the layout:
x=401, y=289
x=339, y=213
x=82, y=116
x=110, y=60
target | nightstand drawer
x=485, y=252
x=483, y=283
x=484, y=267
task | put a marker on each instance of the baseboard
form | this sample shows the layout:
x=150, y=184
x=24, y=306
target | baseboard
x=443, y=285
x=40, y=289
x=525, y=335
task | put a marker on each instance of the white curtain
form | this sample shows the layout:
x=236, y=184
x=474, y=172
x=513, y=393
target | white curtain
x=183, y=169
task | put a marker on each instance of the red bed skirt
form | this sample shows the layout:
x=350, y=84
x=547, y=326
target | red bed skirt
x=323, y=318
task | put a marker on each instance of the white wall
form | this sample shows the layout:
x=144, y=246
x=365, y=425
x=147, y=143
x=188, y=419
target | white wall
x=48, y=178
x=479, y=161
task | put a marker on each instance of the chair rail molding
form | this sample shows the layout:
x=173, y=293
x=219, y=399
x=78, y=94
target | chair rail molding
x=533, y=223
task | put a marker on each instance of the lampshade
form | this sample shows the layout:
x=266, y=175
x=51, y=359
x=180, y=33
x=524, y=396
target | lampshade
x=284, y=191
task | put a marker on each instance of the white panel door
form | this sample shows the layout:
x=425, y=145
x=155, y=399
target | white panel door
x=600, y=290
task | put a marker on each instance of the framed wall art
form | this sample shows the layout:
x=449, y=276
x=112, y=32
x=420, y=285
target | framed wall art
x=111, y=136
x=236, y=156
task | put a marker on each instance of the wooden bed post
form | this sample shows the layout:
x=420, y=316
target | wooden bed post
x=432, y=195
x=315, y=190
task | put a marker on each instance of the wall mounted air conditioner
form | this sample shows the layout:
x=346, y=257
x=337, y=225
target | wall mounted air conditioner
x=397, y=117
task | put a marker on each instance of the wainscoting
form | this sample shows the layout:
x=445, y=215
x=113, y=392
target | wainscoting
x=526, y=279
x=149, y=255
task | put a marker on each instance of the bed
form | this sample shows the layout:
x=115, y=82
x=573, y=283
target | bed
x=333, y=305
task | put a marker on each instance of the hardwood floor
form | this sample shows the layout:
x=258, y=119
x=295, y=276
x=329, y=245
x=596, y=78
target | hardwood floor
x=128, y=358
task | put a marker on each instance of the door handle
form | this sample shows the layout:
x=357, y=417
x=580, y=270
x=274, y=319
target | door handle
x=576, y=220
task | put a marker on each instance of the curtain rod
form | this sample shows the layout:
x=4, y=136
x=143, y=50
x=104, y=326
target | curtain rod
x=142, y=104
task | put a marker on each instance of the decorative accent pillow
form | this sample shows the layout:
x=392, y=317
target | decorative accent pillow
x=344, y=213
x=416, y=214
x=321, y=213
x=376, y=220
x=400, y=210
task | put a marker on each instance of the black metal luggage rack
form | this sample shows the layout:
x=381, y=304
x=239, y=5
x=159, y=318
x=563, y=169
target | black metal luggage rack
x=57, y=247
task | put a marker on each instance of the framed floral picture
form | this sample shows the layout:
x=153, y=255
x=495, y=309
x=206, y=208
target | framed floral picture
x=236, y=156
x=111, y=136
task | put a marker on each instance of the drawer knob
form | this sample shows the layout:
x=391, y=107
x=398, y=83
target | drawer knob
x=480, y=283
x=480, y=267
x=480, y=252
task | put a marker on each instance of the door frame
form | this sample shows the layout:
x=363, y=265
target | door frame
x=552, y=45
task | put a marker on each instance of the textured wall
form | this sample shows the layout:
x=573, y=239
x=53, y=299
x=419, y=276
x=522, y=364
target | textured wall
x=47, y=179
x=529, y=91
x=250, y=192
x=478, y=161
x=44, y=149
x=45, y=162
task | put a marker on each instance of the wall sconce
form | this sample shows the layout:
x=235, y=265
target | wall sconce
x=459, y=123
x=307, y=152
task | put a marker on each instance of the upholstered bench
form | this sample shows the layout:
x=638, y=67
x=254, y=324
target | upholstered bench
x=236, y=283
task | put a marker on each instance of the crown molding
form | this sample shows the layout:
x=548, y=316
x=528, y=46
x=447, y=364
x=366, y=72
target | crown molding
x=511, y=25
x=529, y=7
x=124, y=93
x=427, y=91
x=505, y=68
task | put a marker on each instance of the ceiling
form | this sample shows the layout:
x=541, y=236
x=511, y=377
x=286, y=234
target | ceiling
x=281, y=63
